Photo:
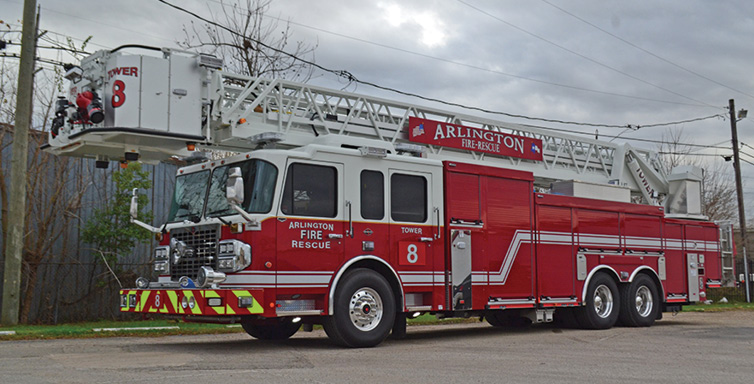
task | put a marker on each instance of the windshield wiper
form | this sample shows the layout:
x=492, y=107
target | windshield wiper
x=219, y=211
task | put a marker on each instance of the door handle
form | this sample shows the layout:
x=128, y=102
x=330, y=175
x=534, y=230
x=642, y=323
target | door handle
x=426, y=239
x=335, y=236
x=349, y=231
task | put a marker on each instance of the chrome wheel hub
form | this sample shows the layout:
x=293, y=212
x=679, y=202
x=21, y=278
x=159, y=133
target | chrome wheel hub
x=644, y=301
x=365, y=309
x=603, y=301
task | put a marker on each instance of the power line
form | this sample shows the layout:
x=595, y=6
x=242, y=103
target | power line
x=699, y=146
x=647, y=51
x=69, y=36
x=581, y=55
x=60, y=48
x=40, y=59
x=497, y=72
x=752, y=156
x=747, y=145
x=80, y=40
x=689, y=154
x=715, y=146
x=679, y=122
x=350, y=77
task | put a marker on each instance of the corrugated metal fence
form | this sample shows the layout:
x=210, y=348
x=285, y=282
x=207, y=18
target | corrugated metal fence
x=63, y=279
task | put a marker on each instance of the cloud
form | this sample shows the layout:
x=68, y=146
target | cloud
x=413, y=46
x=424, y=24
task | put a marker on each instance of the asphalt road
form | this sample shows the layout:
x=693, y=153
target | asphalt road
x=687, y=348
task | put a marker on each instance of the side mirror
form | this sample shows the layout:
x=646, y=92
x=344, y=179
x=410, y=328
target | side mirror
x=134, y=209
x=234, y=186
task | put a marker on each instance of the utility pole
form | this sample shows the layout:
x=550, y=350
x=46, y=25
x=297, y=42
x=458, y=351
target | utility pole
x=740, y=193
x=14, y=244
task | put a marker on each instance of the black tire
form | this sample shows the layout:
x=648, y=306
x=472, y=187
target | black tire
x=364, y=310
x=566, y=318
x=494, y=318
x=640, y=302
x=275, y=329
x=507, y=319
x=602, y=304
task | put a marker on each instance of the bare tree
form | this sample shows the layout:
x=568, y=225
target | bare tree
x=674, y=151
x=718, y=188
x=719, y=195
x=256, y=44
x=54, y=185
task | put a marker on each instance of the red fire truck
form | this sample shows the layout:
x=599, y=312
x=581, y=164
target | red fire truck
x=357, y=213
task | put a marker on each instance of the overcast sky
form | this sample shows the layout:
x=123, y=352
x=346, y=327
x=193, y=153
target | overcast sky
x=608, y=62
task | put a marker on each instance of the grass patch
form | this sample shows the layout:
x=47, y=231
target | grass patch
x=427, y=319
x=86, y=330
x=718, y=307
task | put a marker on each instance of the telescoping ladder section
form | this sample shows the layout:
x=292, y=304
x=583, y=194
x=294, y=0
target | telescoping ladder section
x=257, y=110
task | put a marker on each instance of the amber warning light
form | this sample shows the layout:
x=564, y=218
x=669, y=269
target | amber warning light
x=473, y=139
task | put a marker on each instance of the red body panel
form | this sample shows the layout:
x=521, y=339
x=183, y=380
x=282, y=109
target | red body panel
x=519, y=249
x=540, y=236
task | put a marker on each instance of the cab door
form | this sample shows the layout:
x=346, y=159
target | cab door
x=310, y=227
x=414, y=239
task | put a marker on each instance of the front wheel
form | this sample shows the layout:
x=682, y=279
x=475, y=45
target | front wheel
x=364, y=310
x=275, y=329
x=640, y=302
x=602, y=304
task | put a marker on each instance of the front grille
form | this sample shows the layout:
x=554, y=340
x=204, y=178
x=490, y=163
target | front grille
x=203, y=239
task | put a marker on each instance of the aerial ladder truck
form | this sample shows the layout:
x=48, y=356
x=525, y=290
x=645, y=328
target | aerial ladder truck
x=357, y=212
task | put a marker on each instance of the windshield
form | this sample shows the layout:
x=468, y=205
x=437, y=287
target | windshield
x=188, y=199
x=259, y=188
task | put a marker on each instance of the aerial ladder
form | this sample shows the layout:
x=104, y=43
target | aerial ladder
x=152, y=108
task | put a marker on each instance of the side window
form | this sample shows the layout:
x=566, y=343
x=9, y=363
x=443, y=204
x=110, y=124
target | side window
x=310, y=190
x=408, y=198
x=372, y=195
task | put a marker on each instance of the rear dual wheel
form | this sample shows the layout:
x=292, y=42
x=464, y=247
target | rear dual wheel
x=602, y=304
x=641, y=303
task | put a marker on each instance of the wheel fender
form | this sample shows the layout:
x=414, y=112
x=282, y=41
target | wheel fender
x=589, y=279
x=346, y=267
x=653, y=274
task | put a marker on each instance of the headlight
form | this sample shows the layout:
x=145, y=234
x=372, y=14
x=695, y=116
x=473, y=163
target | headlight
x=233, y=255
x=224, y=264
x=161, y=253
x=162, y=267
